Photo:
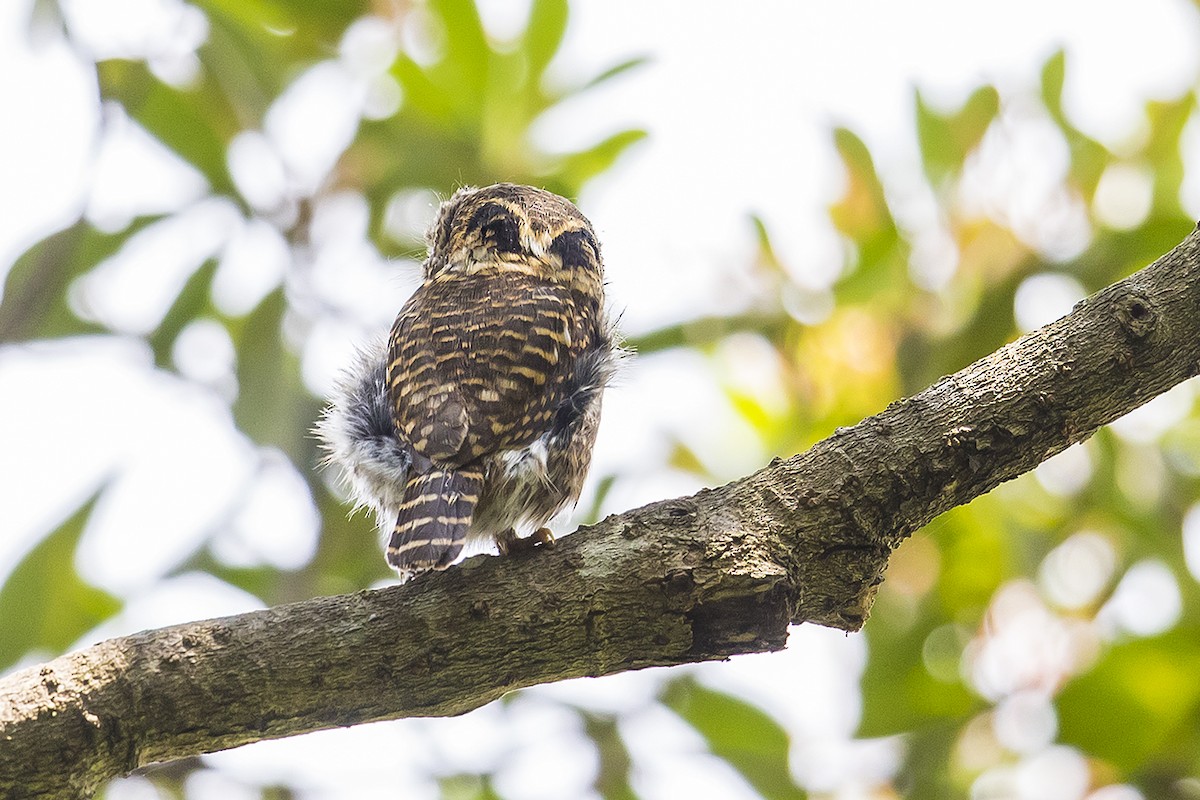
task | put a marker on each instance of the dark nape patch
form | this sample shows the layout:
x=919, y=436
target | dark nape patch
x=504, y=234
x=576, y=247
x=497, y=225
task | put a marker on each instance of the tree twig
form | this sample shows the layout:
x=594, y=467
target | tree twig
x=722, y=572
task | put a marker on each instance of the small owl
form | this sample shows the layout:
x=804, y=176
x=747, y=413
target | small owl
x=477, y=417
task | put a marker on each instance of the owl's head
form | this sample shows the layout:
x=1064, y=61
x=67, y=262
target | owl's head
x=507, y=226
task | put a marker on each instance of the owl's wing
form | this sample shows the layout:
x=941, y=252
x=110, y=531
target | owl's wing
x=479, y=363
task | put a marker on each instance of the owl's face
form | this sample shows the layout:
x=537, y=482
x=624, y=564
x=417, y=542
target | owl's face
x=506, y=226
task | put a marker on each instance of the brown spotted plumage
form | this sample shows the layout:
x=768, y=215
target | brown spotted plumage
x=491, y=381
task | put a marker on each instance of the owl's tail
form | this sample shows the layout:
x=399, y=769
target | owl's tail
x=431, y=527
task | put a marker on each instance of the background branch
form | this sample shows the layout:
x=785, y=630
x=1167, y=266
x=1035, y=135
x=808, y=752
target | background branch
x=691, y=579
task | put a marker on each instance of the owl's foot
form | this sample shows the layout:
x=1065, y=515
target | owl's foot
x=543, y=536
x=509, y=543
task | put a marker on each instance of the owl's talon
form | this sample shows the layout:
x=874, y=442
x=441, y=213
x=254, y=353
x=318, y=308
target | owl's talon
x=505, y=541
x=509, y=543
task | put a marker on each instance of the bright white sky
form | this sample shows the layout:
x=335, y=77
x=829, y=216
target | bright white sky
x=738, y=105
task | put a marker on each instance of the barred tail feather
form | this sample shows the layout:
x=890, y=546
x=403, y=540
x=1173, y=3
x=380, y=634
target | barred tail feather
x=434, y=517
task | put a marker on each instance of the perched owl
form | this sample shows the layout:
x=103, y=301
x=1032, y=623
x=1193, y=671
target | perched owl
x=477, y=417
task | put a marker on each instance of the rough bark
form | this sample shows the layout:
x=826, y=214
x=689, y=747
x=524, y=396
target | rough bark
x=722, y=572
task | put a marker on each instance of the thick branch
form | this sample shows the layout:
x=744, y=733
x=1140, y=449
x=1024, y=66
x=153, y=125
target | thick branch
x=696, y=578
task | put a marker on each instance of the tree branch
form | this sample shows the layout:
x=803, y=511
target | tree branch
x=725, y=571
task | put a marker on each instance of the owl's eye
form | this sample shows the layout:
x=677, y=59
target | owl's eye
x=503, y=232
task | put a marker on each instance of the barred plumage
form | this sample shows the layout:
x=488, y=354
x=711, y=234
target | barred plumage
x=492, y=379
x=433, y=518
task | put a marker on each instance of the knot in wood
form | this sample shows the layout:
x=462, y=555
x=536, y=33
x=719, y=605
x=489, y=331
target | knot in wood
x=1136, y=314
x=961, y=435
x=680, y=509
x=985, y=436
x=679, y=581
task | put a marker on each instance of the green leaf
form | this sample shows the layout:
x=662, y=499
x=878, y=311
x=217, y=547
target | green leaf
x=979, y=545
x=1054, y=74
x=913, y=680
x=35, y=305
x=766, y=248
x=196, y=124
x=933, y=136
x=273, y=407
x=505, y=114
x=543, y=36
x=279, y=36
x=263, y=582
x=463, y=72
x=45, y=17
x=349, y=556
x=612, y=777
x=923, y=771
x=1088, y=157
x=862, y=212
x=743, y=736
x=947, y=139
x=591, y=515
x=1117, y=254
x=317, y=22
x=579, y=168
x=702, y=333
x=467, y=787
x=1167, y=121
x=615, y=71
x=1138, y=704
x=193, y=300
x=899, y=693
x=248, y=65
x=44, y=603
x=863, y=216
x=421, y=94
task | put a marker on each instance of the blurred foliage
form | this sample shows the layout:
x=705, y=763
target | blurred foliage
x=747, y=738
x=56, y=606
x=916, y=298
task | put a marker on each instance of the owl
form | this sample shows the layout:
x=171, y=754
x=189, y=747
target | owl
x=476, y=418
